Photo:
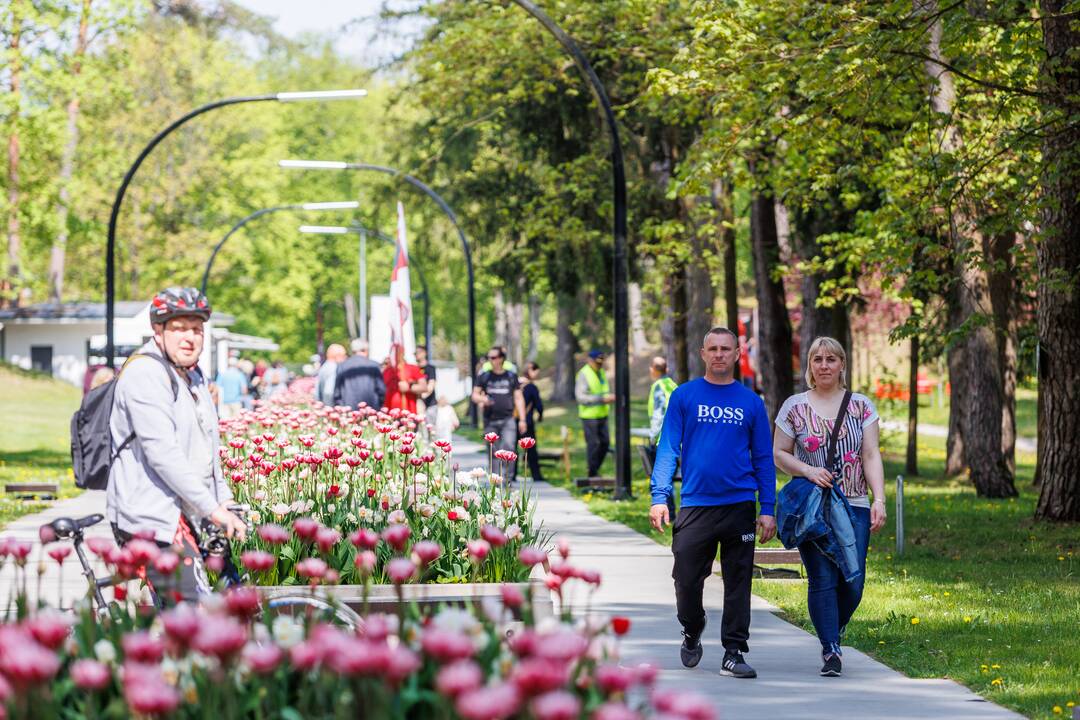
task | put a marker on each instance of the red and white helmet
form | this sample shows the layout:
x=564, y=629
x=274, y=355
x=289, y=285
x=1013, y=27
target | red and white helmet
x=178, y=302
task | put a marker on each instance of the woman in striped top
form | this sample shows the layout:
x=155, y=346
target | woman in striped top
x=806, y=422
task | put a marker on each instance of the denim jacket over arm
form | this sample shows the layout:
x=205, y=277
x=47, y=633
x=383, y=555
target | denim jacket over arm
x=809, y=513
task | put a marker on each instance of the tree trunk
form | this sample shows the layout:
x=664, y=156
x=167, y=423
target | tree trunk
x=700, y=298
x=535, y=309
x=565, y=347
x=1002, y=281
x=981, y=423
x=724, y=204
x=911, y=464
x=1059, y=264
x=515, y=321
x=14, y=241
x=639, y=343
x=774, y=325
x=58, y=253
x=955, y=464
x=499, y=331
x=677, y=353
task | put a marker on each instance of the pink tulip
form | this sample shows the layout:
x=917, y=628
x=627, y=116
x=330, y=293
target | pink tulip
x=446, y=645
x=536, y=676
x=530, y=556
x=327, y=538
x=557, y=705
x=683, y=704
x=331, y=577
x=262, y=659
x=50, y=628
x=523, y=643
x=426, y=552
x=563, y=645
x=243, y=602
x=364, y=538
x=356, y=656
x=478, y=550
x=614, y=711
x=17, y=549
x=23, y=660
x=100, y=546
x=564, y=548
x=219, y=636
x=90, y=674
x=494, y=702
x=46, y=534
x=591, y=576
x=647, y=674
x=527, y=443
x=400, y=570
x=181, y=623
x=257, y=560
x=613, y=679
x=305, y=528
x=166, y=563
x=305, y=656
x=492, y=438
x=459, y=677
x=147, y=693
x=142, y=551
x=143, y=648
x=396, y=536
x=401, y=662
x=493, y=535
x=511, y=596
x=273, y=534
x=312, y=568
x=365, y=562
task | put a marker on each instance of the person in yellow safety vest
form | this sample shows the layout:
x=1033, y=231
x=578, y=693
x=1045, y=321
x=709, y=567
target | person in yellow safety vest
x=659, y=393
x=594, y=395
x=508, y=365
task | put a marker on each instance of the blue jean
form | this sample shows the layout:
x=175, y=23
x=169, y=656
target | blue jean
x=830, y=600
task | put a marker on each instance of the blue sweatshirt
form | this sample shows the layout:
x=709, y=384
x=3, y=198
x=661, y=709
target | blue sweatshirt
x=722, y=435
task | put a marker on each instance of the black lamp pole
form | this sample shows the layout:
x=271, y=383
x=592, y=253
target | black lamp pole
x=110, y=250
x=620, y=270
x=322, y=165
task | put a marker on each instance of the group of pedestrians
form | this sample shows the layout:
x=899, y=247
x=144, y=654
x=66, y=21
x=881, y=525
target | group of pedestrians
x=718, y=431
x=243, y=381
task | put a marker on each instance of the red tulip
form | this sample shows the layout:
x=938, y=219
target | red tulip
x=620, y=625
x=364, y=538
x=59, y=552
x=527, y=443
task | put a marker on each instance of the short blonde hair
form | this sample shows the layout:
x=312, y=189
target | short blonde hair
x=829, y=345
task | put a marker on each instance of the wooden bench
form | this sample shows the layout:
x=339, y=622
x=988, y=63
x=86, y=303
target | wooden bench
x=773, y=556
x=31, y=490
x=594, y=483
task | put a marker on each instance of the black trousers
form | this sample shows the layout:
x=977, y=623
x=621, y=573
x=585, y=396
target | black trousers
x=531, y=455
x=695, y=535
x=597, y=443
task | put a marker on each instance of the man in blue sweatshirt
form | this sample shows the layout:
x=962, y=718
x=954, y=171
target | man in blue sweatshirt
x=721, y=433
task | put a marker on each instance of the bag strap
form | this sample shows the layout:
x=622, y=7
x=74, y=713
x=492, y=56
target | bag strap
x=172, y=384
x=834, y=436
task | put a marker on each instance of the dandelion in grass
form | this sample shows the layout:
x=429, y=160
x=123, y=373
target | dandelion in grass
x=996, y=682
x=1057, y=710
x=914, y=621
x=967, y=618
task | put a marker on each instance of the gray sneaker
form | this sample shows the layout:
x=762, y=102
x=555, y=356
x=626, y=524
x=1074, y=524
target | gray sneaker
x=735, y=666
x=691, y=651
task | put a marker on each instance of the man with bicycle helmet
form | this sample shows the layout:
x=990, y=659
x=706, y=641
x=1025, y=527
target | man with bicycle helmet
x=166, y=477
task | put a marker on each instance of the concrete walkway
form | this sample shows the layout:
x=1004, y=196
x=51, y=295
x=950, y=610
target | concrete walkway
x=637, y=584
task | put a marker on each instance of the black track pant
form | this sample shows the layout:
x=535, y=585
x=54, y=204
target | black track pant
x=532, y=456
x=597, y=443
x=695, y=535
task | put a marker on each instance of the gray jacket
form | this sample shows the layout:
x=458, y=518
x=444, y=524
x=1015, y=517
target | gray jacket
x=172, y=464
x=359, y=379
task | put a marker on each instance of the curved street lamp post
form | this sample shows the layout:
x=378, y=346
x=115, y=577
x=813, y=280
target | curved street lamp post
x=338, y=165
x=620, y=269
x=110, y=253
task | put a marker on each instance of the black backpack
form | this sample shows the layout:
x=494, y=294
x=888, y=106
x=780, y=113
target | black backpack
x=91, y=440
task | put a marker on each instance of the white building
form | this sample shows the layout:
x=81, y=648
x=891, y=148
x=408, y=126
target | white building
x=63, y=340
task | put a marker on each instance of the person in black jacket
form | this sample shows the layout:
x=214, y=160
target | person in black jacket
x=533, y=404
x=359, y=379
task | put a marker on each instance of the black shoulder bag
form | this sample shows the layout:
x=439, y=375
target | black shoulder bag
x=832, y=459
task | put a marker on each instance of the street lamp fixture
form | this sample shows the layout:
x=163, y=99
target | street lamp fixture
x=110, y=253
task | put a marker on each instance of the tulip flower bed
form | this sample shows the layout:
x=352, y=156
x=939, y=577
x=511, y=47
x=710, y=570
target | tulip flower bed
x=338, y=493
x=230, y=659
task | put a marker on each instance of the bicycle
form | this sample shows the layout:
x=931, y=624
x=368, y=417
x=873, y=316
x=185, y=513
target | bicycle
x=213, y=543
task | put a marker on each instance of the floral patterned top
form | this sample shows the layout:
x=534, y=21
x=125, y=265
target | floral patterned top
x=798, y=420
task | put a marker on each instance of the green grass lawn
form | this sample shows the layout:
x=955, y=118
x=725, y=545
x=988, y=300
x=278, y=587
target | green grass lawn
x=931, y=413
x=34, y=446
x=983, y=594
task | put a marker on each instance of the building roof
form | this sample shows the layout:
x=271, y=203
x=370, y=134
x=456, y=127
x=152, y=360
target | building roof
x=89, y=311
x=71, y=311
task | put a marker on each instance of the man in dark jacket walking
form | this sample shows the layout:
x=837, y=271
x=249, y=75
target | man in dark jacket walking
x=359, y=379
